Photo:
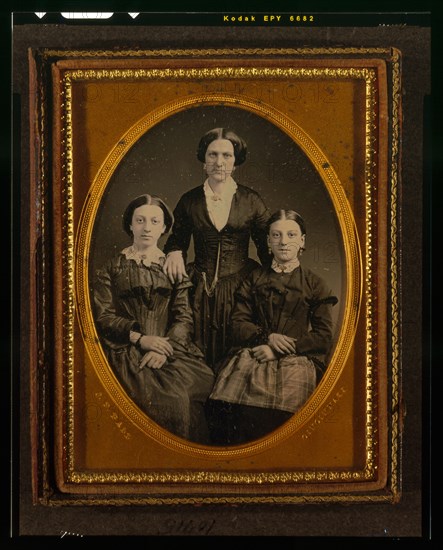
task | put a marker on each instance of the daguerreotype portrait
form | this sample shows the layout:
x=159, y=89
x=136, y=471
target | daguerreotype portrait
x=224, y=230
x=235, y=234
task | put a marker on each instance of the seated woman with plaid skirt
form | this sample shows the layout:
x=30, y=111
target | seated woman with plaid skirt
x=282, y=327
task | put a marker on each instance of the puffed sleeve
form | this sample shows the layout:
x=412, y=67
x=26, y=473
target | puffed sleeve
x=180, y=237
x=111, y=326
x=318, y=339
x=258, y=229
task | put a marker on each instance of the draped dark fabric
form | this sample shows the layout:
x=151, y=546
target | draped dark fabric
x=130, y=296
x=228, y=249
x=296, y=304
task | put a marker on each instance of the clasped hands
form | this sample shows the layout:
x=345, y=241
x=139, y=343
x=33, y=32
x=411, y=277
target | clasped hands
x=157, y=349
x=277, y=343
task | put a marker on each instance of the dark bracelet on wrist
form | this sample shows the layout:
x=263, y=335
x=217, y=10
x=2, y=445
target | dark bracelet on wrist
x=137, y=344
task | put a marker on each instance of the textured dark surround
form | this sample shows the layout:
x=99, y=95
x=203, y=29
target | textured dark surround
x=379, y=520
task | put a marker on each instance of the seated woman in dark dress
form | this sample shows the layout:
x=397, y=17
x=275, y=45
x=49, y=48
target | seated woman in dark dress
x=145, y=324
x=222, y=217
x=282, y=327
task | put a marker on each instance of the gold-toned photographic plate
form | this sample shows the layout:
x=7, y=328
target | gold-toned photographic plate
x=322, y=128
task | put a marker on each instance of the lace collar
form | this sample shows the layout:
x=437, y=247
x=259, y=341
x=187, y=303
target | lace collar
x=152, y=256
x=287, y=267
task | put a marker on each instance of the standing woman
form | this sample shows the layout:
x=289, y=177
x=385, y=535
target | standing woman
x=145, y=324
x=221, y=216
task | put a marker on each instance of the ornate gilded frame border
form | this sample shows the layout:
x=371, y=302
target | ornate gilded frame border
x=47, y=101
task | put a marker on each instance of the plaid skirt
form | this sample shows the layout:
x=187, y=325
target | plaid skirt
x=283, y=384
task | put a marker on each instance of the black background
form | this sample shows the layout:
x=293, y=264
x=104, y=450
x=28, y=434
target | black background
x=407, y=519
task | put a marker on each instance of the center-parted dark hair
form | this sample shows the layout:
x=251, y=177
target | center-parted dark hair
x=287, y=215
x=240, y=147
x=150, y=200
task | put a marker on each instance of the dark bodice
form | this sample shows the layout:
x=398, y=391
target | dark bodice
x=247, y=219
x=297, y=304
x=233, y=243
x=129, y=296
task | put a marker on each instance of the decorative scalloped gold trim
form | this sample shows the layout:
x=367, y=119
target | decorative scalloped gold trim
x=213, y=52
x=394, y=289
x=353, y=256
x=67, y=262
x=369, y=178
x=207, y=499
x=395, y=357
x=42, y=108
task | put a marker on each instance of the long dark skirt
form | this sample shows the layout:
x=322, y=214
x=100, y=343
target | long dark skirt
x=233, y=424
x=173, y=396
x=212, y=314
x=251, y=399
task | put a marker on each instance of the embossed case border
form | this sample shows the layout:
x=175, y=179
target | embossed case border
x=60, y=288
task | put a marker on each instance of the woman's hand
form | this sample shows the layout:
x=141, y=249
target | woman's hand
x=263, y=353
x=174, y=267
x=281, y=343
x=152, y=360
x=158, y=344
